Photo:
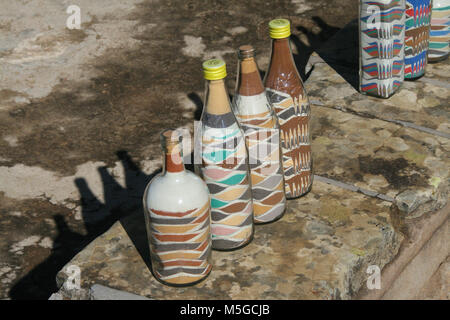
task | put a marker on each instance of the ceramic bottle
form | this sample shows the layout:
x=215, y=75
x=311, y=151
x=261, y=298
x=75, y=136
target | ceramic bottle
x=440, y=31
x=177, y=215
x=417, y=35
x=262, y=132
x=382, y=38
x=290, y=102
x=225, y=164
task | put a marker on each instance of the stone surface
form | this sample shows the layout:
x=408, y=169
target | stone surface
x=73, y=102
x=404, y=276
x=407, y=164
x=99, y=292
x=320, y=249
x=372, y=153
x=81, y=110
x=419, y=271
x=438, y=286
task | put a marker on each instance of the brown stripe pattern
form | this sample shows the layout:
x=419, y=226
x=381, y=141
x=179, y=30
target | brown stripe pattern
x=181, y=245
x=263, y=141
x=294, y=116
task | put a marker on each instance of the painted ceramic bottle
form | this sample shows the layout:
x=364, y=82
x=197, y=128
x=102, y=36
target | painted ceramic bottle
x=177, y=215
x=290, y=102
x=262, y=132
x=440, y=31
x=417, y=35
x=382, y=38
x=225, y=164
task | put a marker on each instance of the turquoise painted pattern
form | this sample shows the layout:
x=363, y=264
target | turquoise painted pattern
x=225, y=171
x=440, y=30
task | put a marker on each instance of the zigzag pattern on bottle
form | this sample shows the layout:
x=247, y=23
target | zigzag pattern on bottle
x=180, y=244
x=384, y=51
x=382, y=58
x=417, y=34
x=394, y=4
x=263, y=141
x=386, y=16
x=225, y=171
x=379, y=71
x=439, y=33
x=294, y=115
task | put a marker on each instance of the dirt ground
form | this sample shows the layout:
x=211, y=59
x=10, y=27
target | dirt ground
x=81, y=110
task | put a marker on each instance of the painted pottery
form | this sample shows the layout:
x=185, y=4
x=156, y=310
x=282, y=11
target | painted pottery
x=177, y=215
x=260, y=125
x=440, y=31
x=417, y=35
x=289, y=100
x=382, y=38
x=225, y=164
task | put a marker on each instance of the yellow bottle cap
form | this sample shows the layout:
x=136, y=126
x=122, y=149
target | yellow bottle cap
x=279, y=28
x=214, y=69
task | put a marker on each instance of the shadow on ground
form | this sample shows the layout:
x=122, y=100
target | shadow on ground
x=316, y=42
x=342, y=53
x=120, y=204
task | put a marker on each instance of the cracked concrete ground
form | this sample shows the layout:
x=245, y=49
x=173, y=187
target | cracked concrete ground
x=80, y=110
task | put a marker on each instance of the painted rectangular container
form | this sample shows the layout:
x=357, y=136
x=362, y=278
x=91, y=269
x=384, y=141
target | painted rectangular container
x=440, y=31
x=382, y=33
x=417, y=36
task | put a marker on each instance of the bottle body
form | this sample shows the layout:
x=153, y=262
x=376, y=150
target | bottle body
x=290, y=102
x=382, y=40
x=417, y=35
x=177, y=215
x=261, y=129
x=225, y=170
x=440, y=31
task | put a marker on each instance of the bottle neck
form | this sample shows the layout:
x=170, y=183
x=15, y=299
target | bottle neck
x=173, y=160
x=283, y=74
x=217, y=100
x=249, y=81
x=282, y=54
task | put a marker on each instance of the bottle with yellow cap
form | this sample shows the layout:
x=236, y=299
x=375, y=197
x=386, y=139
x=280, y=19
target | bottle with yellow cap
x=224, y=164
x=285, y=90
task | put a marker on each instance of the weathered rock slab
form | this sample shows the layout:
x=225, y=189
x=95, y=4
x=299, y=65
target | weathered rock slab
x=320, y=249
x=398, y=147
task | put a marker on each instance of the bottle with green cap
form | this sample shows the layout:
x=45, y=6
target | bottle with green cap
x=288, y=97
x=224, y=164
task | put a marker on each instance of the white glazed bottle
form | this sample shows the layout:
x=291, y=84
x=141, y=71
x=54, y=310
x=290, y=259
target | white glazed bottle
x=177, y=214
